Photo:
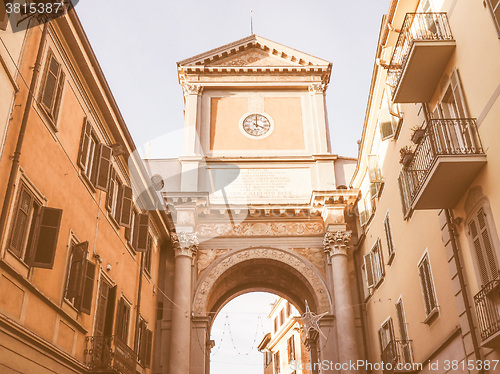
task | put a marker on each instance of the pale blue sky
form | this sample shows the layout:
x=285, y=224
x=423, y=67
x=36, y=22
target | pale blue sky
x=139, y=43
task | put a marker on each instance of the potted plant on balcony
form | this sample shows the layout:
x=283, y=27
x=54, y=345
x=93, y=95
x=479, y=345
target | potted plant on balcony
x=418, y=134
x=406, y=155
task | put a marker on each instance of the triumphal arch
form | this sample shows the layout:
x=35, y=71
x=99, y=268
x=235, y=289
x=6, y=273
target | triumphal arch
x=259, y=200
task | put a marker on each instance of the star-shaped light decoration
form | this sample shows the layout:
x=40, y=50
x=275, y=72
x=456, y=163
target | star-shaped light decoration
x=310, y=321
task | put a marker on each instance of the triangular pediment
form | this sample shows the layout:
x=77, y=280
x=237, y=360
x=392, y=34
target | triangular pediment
x=254, y=51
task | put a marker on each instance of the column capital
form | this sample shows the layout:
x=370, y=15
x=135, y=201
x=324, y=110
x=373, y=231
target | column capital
x=317, y=88
x=192, y=89
x=185, y=244
x=336, y=242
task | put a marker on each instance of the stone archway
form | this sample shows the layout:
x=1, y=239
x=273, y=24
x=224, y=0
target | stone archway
x=274, y=270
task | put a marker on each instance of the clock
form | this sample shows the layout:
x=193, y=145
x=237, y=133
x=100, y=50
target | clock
x=256, y=125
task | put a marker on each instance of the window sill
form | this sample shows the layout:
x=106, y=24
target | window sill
x=431, y=316
x=48, y=118
x=87, y=181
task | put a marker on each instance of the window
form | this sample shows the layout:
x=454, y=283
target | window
x=494, y=6
x=277, y=363
x=80, y=279
x=282, y=316
x=288, y=309
x=374, y=266
x=35, y=230
x=147, y=256
x=137, y=233
x=403, y=332
x=94, y=158
x=276, y=324
x=105, y=309
x=366, y=209
x=122, y=320
x=427, y=284
x=480, y=236
x=389, y=117
x=51, y=88
x=119, y=203
x=144, y=344
x=291, y=349
x=268, y=358
x=374, y=170
x=386, y=337
x=388, y=237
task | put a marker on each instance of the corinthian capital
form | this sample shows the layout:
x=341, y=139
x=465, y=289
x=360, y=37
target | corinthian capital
x=185, y=243
x=192, y=89
x=336, y=243
x=317, y=88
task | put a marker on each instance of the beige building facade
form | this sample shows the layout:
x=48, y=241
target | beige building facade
x=79, y=250
x=427, y=262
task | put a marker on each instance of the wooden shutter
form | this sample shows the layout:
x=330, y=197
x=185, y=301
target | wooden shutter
x=88, y=288
x=58, y=94
x=142, y=232
x=118, y=202
x=427, y=287
x=362, y=212
x=21, y=221
x=126, y=207
x=44, y=242
x=369, y=270
x=388, y=235
x=119, y=319
x=403, y=332
x=149, y=346
x=50, y=82
x=374, y=169
x=380, y=259
x=385, y=122
x=112, y=186
x=104, y=167
x=77, y=270
x=84, y=144
x=110, y=312
x=102, y=304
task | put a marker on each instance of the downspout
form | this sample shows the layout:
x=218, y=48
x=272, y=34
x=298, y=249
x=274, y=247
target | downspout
x=24, y=124
x=461, y=278
x=138, y=311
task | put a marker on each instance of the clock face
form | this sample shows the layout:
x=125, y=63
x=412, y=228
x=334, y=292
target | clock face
x=256, y=124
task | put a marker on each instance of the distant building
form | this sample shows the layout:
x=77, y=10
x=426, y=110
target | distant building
x=283, y=350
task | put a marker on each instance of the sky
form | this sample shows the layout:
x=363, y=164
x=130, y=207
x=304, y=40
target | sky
x=138, y=45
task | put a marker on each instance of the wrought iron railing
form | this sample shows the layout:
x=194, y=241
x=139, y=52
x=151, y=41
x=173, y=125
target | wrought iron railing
x=399, y=354
x=452, y=137
x=416, y=27
x=110, y=353
x=487, y=302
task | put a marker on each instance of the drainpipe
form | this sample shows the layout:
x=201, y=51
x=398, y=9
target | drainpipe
x=461, y=278
x=22, y=132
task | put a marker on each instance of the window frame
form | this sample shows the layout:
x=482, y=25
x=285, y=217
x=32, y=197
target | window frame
x=290, y=346
x=52, y=112
x=123, y=319
x=389, y=237
x=430, y=313
x=374, y=266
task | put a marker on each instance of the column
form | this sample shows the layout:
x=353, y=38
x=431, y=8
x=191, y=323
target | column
x=186, y=246
x=311, y=345
x=317, y=92
x=336, y=245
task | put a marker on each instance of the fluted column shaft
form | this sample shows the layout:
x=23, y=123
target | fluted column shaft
x=336, y=245
x=180, y=344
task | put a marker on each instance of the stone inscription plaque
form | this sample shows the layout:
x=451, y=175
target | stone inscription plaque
x=263, y=185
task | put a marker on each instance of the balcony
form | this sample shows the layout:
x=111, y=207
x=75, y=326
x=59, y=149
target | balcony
x=398, y=357
x=487, y=303
x=422, y=51
x=444, y=164
x=107, y=354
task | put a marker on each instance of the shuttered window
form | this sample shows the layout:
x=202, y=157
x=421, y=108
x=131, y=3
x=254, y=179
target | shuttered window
x=277, y=366
x=103, y=167
x=126, y=207
x=131, y=232
x=122, y=320
x=145, y=343
x=291, y=349
x=52, y=86
x=35, y=230
x=105, y=310
x=374, y=265
x=427, y=284
x=403, y=332
x=142, y=232
x=386, y=338
x=147, y=256
x=479, y=232
x=374, y=170
x=388, y=236
x=80, y=280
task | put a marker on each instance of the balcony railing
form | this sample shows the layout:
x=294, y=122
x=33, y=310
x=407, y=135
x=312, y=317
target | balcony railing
x=443, y=137
x=110, y=355
x=417, y=27
x=487, y=303
x=399, y=355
